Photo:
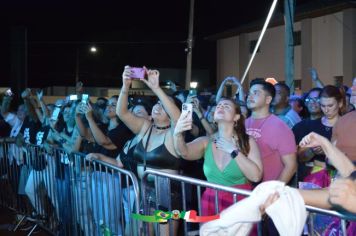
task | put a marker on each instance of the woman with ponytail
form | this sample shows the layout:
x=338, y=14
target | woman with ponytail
x=231, y=157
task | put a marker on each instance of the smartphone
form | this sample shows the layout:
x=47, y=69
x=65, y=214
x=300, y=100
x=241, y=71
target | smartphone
x=8, y=92
x=187, y=110
x=192, y=93
x=55, y=113
x=137, y=73
x=85, y=98
x=73, y=97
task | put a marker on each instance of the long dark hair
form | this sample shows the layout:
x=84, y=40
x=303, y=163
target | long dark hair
x=243, y=138
x=330, y=91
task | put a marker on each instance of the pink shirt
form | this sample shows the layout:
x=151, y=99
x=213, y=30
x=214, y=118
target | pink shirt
x=274, y=139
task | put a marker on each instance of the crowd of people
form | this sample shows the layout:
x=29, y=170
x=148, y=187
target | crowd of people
x=258, y=135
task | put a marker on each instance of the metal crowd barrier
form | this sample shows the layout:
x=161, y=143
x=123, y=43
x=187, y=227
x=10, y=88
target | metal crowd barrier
x=185, y=183
x=199, y=185
x=103, y=195
x=67, y=194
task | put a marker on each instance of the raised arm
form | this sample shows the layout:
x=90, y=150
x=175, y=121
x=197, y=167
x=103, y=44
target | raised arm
x=153, y=83
x=26, y=96
x=43, y=105
x=198, y=110
x=315, y=78
x=84, y=132
x=221, y=89
x=133, y=122
x=336, y=157
x=99, y=136
x=5, y=105
x=193, y=150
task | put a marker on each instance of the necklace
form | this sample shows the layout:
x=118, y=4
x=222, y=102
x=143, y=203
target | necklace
x=162, y=127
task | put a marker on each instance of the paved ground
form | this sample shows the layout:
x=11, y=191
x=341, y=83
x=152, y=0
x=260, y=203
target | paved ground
x=6, y=222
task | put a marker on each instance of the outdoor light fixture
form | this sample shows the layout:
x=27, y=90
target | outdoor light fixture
x=93, y=49
x=193, y=85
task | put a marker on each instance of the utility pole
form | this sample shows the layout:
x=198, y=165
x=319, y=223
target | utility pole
x=77, y=66
x=289, y=6
x=189, y=49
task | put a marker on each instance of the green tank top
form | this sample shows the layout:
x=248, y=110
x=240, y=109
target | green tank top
x=231, y=175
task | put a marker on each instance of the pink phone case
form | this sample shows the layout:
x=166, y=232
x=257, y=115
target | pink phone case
x=137, y=73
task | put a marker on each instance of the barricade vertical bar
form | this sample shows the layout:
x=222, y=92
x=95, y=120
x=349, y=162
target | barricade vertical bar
x=107, y=210
x=311, y=223
x=343, y=227
x=115, y=203
x=84, y=174
x=199, y=194
x=157, y=231
x=216, y=202
x=72, y=177
x=184, y=204
x=95, y=187
x=169, y=193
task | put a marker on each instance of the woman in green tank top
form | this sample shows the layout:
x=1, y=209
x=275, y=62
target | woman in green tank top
x=231, y=157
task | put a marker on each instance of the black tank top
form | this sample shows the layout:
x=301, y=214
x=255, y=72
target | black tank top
x=158, y=158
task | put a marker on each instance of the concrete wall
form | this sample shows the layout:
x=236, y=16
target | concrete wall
x=328, y=44
x=227, y=58
x=269, y=62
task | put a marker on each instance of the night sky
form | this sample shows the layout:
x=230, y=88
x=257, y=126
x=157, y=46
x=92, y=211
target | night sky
x=137, y=33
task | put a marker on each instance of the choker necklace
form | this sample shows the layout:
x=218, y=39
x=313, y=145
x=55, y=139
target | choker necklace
x=162, y=128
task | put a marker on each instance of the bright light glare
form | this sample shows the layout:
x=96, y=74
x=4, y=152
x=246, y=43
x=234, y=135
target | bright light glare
x=272, y=81
x=193, y=84
x=93, y=49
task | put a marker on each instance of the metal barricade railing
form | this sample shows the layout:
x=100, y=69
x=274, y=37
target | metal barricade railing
x=104, y=196
x=68, y=195
x=183, y=182
x=199, y=184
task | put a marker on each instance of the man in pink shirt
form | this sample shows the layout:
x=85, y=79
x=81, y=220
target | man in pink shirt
x=274, y=138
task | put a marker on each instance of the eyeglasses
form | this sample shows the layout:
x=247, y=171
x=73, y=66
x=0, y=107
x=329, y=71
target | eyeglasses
x=309, y=100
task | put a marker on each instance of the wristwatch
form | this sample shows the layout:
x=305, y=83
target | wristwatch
x=234, y=153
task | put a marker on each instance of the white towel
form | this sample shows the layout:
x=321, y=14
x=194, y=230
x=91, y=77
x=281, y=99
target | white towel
x=288, y=212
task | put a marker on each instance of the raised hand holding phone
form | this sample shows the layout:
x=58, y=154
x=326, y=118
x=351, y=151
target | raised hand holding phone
x=185, y=120
x=187, y=110
x=152, y=78
x=55, y=113
x=39, y=94
x=8, y=92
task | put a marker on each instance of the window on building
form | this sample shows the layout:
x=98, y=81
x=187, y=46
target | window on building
x=297, y=37
x=253, y=45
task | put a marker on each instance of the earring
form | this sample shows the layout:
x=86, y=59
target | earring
x=235, y=123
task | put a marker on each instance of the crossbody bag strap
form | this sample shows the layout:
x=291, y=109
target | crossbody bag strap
x=144, y=156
